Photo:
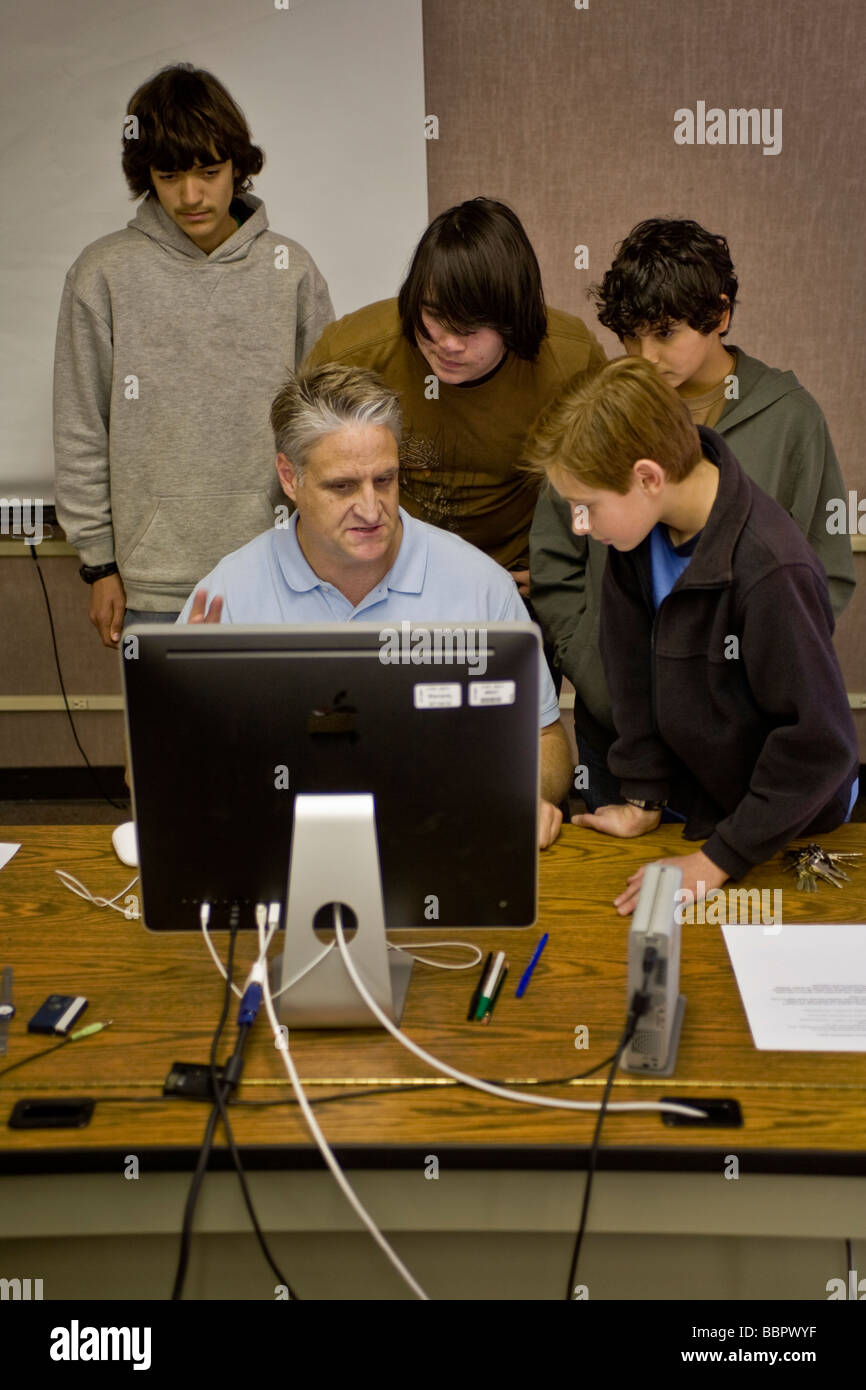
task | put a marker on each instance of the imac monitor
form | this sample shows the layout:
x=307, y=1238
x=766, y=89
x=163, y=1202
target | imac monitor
x=233, y=729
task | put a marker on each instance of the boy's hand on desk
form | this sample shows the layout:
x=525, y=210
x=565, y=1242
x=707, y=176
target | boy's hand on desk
x=624, y=821
x=549, y=823
x=197, y=613
x=697, y=870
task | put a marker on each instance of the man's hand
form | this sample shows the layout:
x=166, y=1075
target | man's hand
x=624, y=821
x=107, y=607
x=549, y=823
x=197, y=613
x=521, y=579
x=556, y=768
x=697, y=869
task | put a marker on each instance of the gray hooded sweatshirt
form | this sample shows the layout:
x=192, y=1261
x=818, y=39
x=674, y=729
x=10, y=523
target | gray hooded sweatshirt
x=166, y=364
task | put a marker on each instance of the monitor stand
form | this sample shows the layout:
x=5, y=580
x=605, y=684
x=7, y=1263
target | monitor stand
x=335, y=859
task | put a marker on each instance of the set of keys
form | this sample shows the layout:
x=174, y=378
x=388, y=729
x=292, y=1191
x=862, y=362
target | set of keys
x=813, y=863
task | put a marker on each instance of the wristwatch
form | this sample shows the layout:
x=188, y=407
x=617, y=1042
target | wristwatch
x=645, y=805
x=90, y=573
x=7, y=1008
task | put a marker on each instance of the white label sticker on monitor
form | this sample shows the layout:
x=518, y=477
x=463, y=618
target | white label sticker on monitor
x=492, y=692
x=443, y=696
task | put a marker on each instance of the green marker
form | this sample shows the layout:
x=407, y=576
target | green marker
x=502, y=978
x=488, y=989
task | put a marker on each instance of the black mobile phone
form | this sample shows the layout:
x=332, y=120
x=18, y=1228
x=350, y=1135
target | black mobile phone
x=51, y=1114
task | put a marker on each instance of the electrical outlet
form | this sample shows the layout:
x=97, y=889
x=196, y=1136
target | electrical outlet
x=79, y=702
x=857, y=699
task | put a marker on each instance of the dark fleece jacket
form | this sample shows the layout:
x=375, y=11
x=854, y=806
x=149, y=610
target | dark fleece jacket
x=780, y=437
x=752, y=741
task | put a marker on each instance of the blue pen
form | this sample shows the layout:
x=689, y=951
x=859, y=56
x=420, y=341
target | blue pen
x=527, y=974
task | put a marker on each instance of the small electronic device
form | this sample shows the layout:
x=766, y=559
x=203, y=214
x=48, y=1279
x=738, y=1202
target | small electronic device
x=125, y=842
x=58, y=1014
x=191, y=1080
x=654, y=924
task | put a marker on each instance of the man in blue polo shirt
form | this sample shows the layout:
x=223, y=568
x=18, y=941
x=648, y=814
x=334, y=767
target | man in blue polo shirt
x=349, y=551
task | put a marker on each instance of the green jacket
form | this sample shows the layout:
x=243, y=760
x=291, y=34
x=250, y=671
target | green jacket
x=778, y=433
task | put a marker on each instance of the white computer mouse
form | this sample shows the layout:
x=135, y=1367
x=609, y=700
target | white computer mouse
x=125, y=842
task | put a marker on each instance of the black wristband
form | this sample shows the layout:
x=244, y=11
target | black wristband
x=90, y=573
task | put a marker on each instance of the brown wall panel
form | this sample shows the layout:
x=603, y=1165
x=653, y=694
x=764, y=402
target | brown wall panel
x=44, y=739
x=28, y=666
x=568, y=115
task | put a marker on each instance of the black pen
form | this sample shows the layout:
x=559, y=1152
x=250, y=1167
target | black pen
x=492, y=1005
x=477, y=995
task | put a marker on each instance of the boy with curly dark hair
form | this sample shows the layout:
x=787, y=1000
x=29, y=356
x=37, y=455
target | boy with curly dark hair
x=669, y=296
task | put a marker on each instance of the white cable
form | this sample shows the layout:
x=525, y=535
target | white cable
x=273, y=916
x=261, y=923
x=260, y=973
x=549, y=1102
x=311, y=965
x=269, y=915
x=273, y=923
x=430, y=946
x=75, y=886
x=282, y=1038
x=439, y=946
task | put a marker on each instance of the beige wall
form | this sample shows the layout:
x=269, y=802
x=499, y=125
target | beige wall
x=568, y=116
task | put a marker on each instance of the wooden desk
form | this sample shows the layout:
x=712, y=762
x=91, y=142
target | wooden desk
x=804, y=1114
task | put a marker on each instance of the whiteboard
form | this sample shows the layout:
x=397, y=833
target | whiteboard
x=333, y=92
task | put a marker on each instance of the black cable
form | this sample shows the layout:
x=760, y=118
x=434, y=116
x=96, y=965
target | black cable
x=438, y=1088
x=34, y=1056
x=639, y=1004
x=359, y=1094
x=219, y=1111
x=72, y=1037
x=192, y=1198
x=99, y=787
x=572, y=1273
x=207, y=1138
x=221, y=1095
x=562, y=1080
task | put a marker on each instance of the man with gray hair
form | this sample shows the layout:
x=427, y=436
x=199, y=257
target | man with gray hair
x=350, y=552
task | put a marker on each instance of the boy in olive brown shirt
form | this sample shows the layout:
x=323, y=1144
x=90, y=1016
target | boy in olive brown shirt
x=475, y=355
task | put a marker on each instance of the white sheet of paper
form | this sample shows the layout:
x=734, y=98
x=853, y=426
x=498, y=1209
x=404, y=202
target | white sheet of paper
x=6, y=853
x=804, y=987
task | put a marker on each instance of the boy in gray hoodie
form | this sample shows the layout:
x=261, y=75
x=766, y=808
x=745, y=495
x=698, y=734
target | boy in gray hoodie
x=174, y=335
x=669, y=297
